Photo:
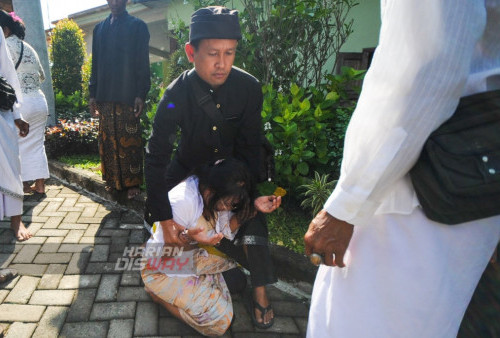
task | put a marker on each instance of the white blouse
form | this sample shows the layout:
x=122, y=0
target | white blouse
x=430, y=53
x=30, y=71
x=187, y=208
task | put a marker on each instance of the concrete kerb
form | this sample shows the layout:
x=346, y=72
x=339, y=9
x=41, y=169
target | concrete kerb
x=290, y=266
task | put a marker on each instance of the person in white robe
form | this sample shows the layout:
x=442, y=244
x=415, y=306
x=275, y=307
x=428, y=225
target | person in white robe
x=389, y=271
x=34, y=164
x=11, y=190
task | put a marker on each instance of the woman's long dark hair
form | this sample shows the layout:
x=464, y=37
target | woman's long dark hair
x=228, y=178
x=16, y=26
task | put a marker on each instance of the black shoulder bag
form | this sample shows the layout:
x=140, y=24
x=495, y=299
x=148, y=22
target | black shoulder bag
x=7, y=95
x=205, y=101
x=457, y=176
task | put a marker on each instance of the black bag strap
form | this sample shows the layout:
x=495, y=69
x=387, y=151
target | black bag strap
x=207, y=104
x=20, y=55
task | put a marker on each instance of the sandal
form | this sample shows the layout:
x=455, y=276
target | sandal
x=7, y=274
x=263, y=312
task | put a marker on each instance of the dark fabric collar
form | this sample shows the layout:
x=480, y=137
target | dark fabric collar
x=119, y=18
x=205, y=85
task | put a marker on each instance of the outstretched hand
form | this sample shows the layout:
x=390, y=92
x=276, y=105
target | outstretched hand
x=267, y=204
x=328, y=237
x=201, y=236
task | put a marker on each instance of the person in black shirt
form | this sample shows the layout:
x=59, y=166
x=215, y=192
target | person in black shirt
x=119, y=83
x=214, y=35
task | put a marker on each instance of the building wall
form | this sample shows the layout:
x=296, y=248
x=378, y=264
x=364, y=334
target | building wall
x=366, y=26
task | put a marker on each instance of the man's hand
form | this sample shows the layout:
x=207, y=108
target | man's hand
x=138, y=106
x=24, y=127
x=93, y=107
x=173, y=234
x=267, y=204
x=328, y=236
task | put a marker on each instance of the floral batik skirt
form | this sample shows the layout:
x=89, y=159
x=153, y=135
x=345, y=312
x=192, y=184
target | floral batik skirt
x=203, y=299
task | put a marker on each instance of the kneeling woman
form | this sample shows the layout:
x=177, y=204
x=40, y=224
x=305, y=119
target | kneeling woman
x=211, y=205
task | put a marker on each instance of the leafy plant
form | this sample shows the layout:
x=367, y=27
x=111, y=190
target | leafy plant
x=317, y=192
x=72, y=138
x=306, y=126
x=67, y=53
x=71, y=106
x=291, y=40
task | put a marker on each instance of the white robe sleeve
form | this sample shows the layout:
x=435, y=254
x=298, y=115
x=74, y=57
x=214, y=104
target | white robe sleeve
x=414, y=83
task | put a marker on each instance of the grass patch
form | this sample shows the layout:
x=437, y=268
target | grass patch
x=287, y=227
x=91, y=162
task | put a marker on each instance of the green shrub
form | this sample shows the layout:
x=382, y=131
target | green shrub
x=72, y=138
x=67, y=53
x=72, y=106
x=307, y=126
x=151, y=104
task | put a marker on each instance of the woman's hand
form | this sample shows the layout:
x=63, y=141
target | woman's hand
x=24, y=127
x=201, y=236
x=267, y=204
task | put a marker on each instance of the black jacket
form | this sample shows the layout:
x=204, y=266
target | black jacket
x=239, y=100
x=120, y=60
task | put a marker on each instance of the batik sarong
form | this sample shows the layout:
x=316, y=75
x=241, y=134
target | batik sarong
x=120, y=145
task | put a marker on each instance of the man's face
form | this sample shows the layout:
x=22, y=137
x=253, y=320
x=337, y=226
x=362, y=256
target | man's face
x=117, y=7
x=213, y=59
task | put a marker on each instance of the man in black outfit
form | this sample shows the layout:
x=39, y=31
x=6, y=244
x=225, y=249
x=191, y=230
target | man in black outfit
x=214, y=35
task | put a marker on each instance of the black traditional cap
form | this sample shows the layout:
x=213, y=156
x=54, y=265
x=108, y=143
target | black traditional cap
x=214, y=22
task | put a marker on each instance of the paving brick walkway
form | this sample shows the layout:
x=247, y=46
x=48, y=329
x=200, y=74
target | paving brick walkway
x=69, y=284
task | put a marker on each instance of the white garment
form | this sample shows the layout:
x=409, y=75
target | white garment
x=187, y=208
x=430, y=53
x=30, y=73
x=11, y=190
x=408, y=276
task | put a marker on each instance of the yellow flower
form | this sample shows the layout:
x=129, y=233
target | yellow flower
x=279, y=192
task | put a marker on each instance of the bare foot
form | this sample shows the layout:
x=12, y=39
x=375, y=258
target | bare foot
x=19, y=229
x=132, y=192
x=39, y=186
x=260, y=297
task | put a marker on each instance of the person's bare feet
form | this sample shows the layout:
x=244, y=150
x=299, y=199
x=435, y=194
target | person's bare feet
x=39, y=186
x=260, y=297
x=19, y=229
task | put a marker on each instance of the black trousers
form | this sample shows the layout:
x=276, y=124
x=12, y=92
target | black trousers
x=253, y=234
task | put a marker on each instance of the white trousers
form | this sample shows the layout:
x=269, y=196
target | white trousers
x=407, y=277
